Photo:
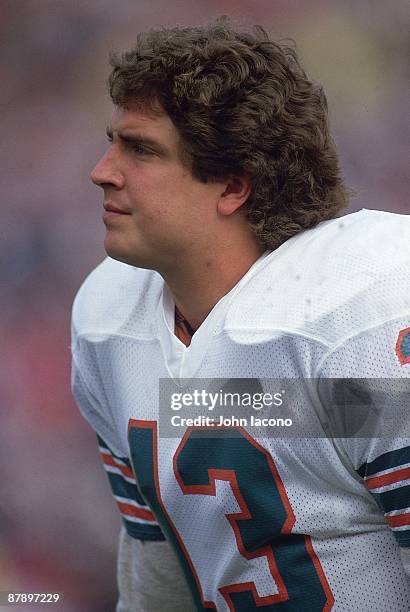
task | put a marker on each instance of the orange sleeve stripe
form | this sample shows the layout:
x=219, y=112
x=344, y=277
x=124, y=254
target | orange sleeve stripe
x=130, y=510
x=108, y=460
x=399, y=520
x=381, y=481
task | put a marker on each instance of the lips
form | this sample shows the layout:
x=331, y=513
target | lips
x=111, y=208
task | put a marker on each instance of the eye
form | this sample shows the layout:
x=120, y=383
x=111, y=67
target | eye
x=139, y=149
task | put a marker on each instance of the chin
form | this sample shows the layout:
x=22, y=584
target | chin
x=115, y=250
x=125, y=255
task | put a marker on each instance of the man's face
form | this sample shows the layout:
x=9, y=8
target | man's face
x=157, y=214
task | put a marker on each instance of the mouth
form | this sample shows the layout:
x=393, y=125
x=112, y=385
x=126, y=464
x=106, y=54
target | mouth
x=112, y=212
x=110, y=208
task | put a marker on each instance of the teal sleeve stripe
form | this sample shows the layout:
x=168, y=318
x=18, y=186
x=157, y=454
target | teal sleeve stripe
x=392, y=459
x=395, y=499
x=104, y=445
x=143, y=532
x=122, y=488
x=403, y=538
x=101, y=442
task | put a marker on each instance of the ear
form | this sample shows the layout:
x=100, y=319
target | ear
x=237, y=191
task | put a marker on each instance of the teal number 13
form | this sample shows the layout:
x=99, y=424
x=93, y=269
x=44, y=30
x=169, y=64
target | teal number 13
x=262, y=528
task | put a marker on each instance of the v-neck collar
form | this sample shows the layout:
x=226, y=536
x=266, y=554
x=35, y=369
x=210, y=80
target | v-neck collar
x=184, y=361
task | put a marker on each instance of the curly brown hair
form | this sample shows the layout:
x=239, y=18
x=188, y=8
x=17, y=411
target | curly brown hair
x=243, y=105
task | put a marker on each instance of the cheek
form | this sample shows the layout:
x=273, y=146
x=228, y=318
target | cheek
x=156, y=219
x=171, y=198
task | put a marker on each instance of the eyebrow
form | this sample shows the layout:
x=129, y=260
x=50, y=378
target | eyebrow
x=138, y=139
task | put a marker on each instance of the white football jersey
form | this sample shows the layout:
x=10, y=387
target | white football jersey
x=262, y=520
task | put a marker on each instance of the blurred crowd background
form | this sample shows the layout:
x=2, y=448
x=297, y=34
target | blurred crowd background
x=58, y=523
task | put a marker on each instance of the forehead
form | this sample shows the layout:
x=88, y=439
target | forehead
x=153, y=124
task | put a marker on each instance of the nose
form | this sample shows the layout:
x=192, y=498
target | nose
x=106, y=173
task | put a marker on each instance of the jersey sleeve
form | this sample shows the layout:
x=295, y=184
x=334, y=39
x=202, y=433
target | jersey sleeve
x=364, y=385
x=137, y=517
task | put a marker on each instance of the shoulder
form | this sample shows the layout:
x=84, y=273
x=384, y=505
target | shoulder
x=365, y=240
x=331, y=281
x=369, y=234
x=116, y=297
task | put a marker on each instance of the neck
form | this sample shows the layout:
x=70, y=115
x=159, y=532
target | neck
x=197, y=284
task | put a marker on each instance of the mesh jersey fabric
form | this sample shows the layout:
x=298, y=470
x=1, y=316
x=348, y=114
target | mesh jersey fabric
x=309, y=532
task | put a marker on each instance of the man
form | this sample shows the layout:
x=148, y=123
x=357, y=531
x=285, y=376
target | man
x=228, y=260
